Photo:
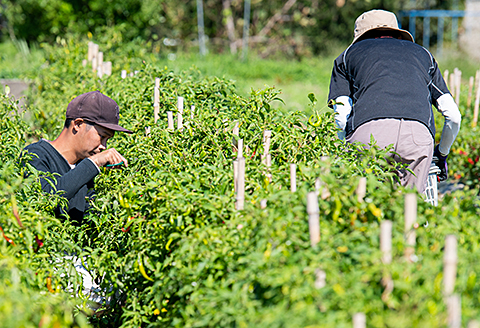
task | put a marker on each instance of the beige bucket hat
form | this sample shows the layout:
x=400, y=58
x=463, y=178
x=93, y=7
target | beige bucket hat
x=378, y=20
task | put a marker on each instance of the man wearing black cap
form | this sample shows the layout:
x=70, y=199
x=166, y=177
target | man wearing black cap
x=78, y=152
x=383, y=85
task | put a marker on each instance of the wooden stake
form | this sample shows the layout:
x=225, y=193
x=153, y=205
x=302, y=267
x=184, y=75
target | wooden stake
x=84, y=63
x=445, y=78
x=100, y=64
x=107, y=68
x=454, y=308
x=320, y=278
x=240, y=148
x=180, y=113
x=359, y=320
x=192, y=111
x=170, y=120
x=263, y=204
x=241, y=184
x=386, y=241
x=90, y=50
x=235, y=175
x=458, y=84
x=313, y=218
x=473, y=324
x=156, y=100
x=410, y=219
x=475, y=107
x=293, y=177
x=267, y=134
x=452, y=82
x=361, y=189
x=269, y=164
x=470, y=89
x=449, y=264
x=124, y=73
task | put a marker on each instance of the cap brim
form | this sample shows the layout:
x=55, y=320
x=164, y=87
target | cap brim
x=403, y=33
x=114, y=127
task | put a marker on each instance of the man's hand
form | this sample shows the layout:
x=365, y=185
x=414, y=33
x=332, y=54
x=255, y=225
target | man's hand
x=108, y=156
x=441, y=162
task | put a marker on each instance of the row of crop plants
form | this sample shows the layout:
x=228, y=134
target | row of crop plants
x=171, y=248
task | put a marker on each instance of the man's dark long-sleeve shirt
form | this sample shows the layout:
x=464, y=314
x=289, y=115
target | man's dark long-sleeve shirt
x=76, y=184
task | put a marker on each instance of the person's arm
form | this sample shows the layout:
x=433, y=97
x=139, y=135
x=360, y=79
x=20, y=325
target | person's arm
x=339, y=93
x=343, y=108
x=449, y=109
x=70, y=182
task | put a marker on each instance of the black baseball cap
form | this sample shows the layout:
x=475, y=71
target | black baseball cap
x=97, y=108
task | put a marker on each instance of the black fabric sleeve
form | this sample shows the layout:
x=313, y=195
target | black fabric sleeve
x=339, y=83
x=438, y=87
x=71, y=182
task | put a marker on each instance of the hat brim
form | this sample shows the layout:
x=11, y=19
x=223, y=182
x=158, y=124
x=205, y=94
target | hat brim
x=405, y=35
x=114, y=127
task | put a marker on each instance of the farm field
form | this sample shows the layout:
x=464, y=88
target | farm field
x=165, y=239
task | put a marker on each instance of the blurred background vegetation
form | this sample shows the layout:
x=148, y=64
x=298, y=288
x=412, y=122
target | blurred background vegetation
x=292, y=43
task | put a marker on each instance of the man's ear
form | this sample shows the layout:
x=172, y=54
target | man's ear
x=76, y=125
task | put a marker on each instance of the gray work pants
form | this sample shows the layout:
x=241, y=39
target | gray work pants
x=412, y=141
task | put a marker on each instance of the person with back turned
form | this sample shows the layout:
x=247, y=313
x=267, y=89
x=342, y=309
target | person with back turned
x=384, y=85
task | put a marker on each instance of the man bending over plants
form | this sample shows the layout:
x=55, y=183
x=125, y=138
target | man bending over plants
x=384, y=85
x=75, y=156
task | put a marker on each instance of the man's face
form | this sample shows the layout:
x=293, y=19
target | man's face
x=92, y=139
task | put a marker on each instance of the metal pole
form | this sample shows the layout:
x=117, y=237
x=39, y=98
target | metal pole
x=201, y=28
x=426, y=32
x=246, y=26
x=441, y=24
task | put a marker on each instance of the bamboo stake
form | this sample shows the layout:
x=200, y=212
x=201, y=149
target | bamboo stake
x=454, y=308
x=313, y=218
x=124, y=74
x=170, y=120
x=107, y=68
x=293, y=177
x=267, y=134
x=269, y=164
x=359, y=320
x=386, y=241
x=90, y=51
x=458, y=84
x=473, y=324
x=445, y=78
x=94, y=59
x=470, y=90
x=240, y=148
x=100, y=64
x=320, y=278
x=452, y=83
x=192, y=111
x=361, y=189
x=477, y=79
x=180, y=113
x=241, y=184
x=263, y=204
x=410, y=219
x=156, y=100
x=475, y=107
x=449, y=265
x=84, y=62
x=235, y=175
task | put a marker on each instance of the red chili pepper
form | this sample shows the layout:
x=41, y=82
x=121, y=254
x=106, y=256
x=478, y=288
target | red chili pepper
x=6, y=238
x=471, y=161
x=125, y=230
x=39, y=243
